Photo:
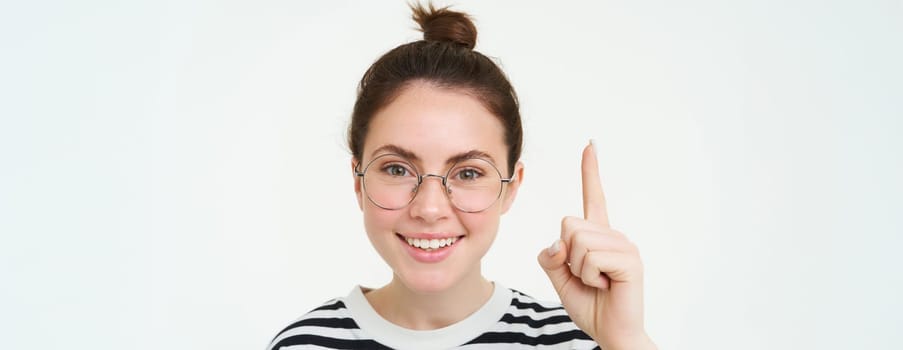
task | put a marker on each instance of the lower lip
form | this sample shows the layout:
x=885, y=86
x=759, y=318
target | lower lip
x=432, y=256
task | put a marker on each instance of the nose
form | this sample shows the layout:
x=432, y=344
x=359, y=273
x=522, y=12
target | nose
x=431, y=201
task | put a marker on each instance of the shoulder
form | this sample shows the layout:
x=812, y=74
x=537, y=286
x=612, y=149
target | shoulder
x=532, y=322
x=327, y=326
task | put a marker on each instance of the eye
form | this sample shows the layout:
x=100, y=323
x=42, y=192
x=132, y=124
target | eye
x=396, y=170
x=468, y=174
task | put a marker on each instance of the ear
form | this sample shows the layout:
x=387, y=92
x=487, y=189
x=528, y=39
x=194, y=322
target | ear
x=357, y=184
x=512, y=187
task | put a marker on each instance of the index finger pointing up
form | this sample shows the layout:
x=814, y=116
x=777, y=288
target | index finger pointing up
x=594, y=209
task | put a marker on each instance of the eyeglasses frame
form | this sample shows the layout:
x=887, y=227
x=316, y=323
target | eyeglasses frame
x=420, y=178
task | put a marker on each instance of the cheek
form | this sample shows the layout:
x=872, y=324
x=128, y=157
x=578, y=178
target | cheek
x=377, y=220
x=481, y=225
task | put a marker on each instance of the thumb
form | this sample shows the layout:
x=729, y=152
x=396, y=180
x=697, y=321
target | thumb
x=552, y=260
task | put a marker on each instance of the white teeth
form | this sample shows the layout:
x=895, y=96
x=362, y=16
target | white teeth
x=430, y=244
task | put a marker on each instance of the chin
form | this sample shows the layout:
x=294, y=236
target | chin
x=426, y=281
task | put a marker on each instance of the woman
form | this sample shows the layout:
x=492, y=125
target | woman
x=436, y=137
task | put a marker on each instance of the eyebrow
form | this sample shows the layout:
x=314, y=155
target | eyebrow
x=413, y=157
x=397, y=150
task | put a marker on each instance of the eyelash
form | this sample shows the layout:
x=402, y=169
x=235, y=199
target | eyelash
x=388, y=167
x=476, y=173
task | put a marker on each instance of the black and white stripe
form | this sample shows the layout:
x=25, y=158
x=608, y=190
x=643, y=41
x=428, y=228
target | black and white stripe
x=525, y=324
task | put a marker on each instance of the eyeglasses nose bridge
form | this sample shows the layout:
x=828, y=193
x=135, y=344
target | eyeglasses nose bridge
x=424, y=176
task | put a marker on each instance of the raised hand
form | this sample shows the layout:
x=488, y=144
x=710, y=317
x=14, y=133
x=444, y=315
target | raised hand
x=597, y=271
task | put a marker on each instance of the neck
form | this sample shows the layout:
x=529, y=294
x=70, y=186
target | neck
x=425, y=311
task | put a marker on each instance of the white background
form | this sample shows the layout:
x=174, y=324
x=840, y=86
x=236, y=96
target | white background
x=173, y=174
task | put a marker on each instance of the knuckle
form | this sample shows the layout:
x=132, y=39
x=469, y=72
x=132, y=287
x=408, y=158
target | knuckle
x=564, y=225
x=580, y=237
x=638, y=266
x=635, y=263
x=614, y=232
x=569, y=221
x=575, y=235
x=633, y=248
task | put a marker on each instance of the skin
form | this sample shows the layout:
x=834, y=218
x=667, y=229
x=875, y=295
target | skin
x=596, y=271
x=434, y=124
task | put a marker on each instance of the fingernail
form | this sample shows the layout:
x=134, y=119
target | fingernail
x=593, y=143
x=554, y=248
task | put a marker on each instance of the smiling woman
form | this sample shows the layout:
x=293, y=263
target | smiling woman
x=423, y=109
x=436, y=139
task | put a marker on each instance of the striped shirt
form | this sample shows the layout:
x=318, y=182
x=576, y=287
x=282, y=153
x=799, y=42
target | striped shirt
x=509, y=320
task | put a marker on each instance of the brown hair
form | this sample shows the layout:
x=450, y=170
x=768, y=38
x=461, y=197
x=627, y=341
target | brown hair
x=444, y=58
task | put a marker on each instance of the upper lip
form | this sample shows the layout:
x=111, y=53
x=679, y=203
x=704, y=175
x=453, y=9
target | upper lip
x=429, y=235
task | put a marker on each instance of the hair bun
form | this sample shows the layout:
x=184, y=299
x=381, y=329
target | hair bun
x=445, y=25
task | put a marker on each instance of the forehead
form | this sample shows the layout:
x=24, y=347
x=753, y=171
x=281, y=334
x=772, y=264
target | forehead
x=436, y=123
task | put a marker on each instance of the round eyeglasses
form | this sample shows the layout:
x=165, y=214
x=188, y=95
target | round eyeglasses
x=391, y=182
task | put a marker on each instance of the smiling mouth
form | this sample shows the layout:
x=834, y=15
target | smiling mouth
x=429, y=245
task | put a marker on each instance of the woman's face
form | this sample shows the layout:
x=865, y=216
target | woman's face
x=434, y=125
